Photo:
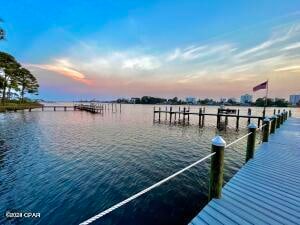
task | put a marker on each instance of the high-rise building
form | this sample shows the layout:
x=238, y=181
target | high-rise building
x=294, y=99
x=246, y=98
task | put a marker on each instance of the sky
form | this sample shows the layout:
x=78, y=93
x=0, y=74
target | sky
x=110, y=49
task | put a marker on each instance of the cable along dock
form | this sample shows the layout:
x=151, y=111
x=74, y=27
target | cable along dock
x=265, y=191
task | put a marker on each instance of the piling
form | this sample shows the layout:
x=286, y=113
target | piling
x=170, y=114
x=218, y=119
x=29, y=109
x=237, y=120
x=159, y=114
x=179, y=114
x=266, y=130
x=65, y=108
x=278, y=121
x=42, y=108
x=290, y=113
x=154, y=113
x=203, y=116
x=249, y=114
x=188, y=115
x=216, y=168
x=200, y=112
x=54, y=108
x=166, y=113
x=183, y=115
x=251, y=141
x=273, y=124
x=281, y=118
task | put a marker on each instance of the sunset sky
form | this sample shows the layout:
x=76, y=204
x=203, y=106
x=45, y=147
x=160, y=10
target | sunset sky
x=110, y=49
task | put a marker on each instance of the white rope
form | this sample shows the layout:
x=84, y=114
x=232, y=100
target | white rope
x=92, y=219
x=259, y=128
x=238, y=140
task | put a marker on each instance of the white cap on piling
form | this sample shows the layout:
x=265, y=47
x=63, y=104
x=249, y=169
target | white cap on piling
x=252, y=125
x=274, y=117
x=218, y=141
x=267, y=119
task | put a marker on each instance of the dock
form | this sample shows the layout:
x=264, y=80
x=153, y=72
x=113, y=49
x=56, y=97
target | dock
x=266, y=190
x=182, y=116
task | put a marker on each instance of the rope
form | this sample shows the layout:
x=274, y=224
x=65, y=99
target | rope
x=118, y=205
x=259, y=128
x=238, y=140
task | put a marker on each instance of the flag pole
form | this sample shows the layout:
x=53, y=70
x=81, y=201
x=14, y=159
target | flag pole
x=266, y=99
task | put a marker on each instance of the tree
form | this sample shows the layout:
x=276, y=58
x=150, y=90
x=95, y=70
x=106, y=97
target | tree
x=27, y=82
x=8, y=66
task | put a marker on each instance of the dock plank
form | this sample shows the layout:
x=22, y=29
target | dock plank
x=267, y=189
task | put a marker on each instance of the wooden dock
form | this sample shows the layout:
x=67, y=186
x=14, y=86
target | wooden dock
x=182, y=116
x=267, y=189
x=92, y=108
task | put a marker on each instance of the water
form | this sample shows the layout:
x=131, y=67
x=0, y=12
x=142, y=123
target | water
x=71, y=165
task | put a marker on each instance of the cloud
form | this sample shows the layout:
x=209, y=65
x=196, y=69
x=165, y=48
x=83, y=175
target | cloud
x=291, y=46
x=142, y=63
x=293, y=68
x=63, y=67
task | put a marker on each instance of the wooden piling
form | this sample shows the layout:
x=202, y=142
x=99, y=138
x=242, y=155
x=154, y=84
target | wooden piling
x=278, y=121
x=200, y=116
x=29, y=110
x=159, y=115
x=183, y=115
x=249, y=114
x=218, y=119
x=203, y=117
x=237, y=126
x=170, y=114
x=54, y=108
x=290, y=113
x=251, y=141
x=266, y=130
x=154, y=113
x=179, y=114
x=65, y=108
x=216, y=168
x=273, y=124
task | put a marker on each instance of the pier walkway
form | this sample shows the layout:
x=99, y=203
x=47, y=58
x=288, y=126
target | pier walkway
x=267, y=189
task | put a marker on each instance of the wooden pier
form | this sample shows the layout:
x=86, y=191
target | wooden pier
x=267, y=189
x=92, y=108
x=182, y=116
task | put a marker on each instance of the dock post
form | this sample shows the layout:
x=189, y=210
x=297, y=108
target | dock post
x=290, y=113
x=281, y=118
x=216, y=168
x=273, y=124
x=249, y=114
x=54, y=108
x=42, y=108
x=170, y=114
x=154, y=113
x=203, y=116
x=183, y=115
x=189, y=115
x=159, y=115
x=266, y=130
x=278, y=121
x=179, y=114
x=237, y=120
x=65, y=108
x=200, y=112
x=274, y=112
x=166, y=113
x=218, y=119
x=251, y=141
x=29, y=110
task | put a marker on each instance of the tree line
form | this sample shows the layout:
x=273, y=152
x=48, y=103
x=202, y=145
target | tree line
x=15, y=80
x=277, y=102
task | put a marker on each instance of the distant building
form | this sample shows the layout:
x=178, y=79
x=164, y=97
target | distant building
x=191, y=100
x=245, y=99
x=294, y=99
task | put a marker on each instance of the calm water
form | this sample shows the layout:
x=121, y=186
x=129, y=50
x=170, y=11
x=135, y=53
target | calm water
x=69, y=166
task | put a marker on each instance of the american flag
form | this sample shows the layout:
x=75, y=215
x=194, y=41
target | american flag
x=263, y=85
